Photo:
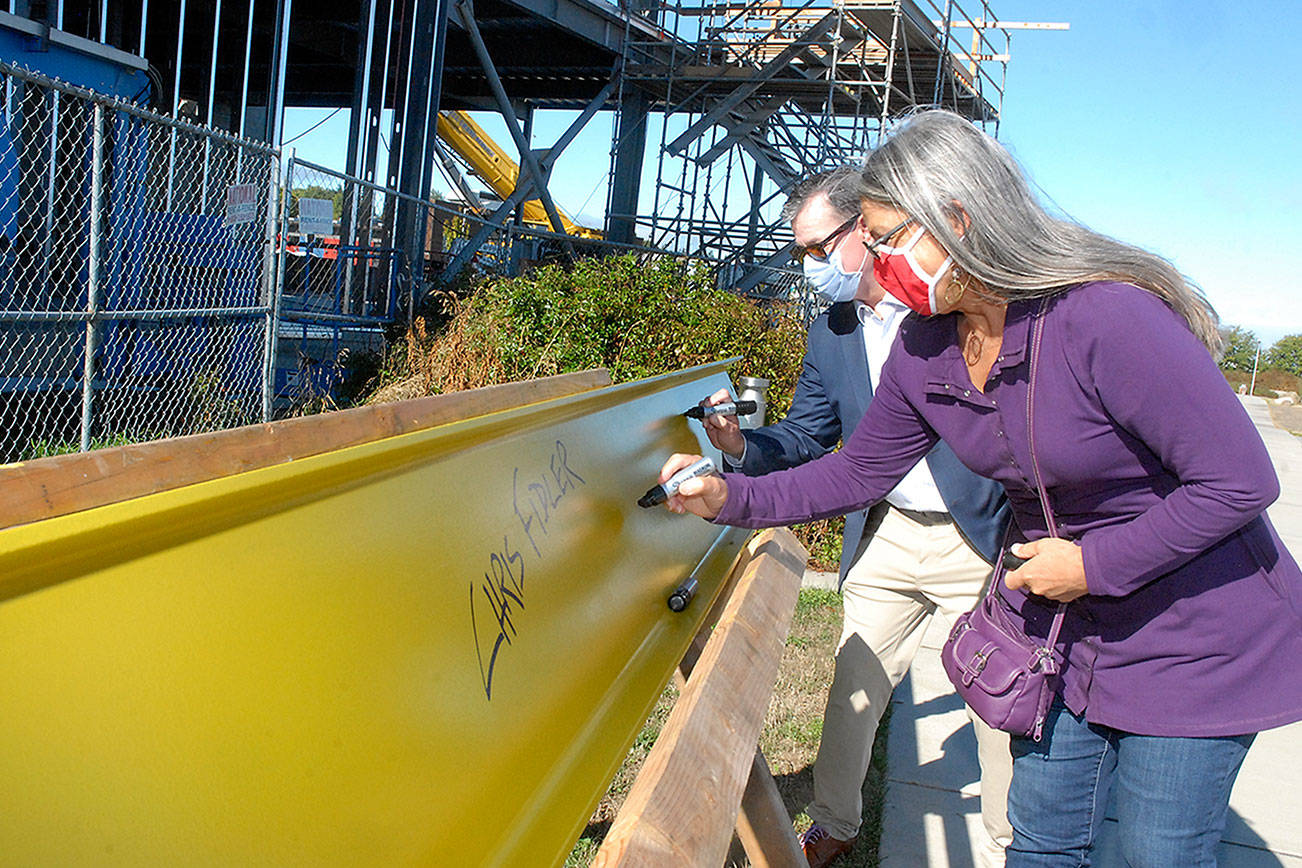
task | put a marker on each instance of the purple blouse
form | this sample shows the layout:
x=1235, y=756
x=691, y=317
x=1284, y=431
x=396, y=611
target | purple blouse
x=1193, y=621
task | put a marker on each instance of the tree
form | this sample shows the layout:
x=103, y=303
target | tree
x=1286, y=355
x=1239, y=349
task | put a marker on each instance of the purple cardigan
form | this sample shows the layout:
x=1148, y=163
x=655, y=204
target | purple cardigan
x=1193, y=622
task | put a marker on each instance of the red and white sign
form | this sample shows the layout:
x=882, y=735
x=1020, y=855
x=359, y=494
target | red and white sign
x=241, y=204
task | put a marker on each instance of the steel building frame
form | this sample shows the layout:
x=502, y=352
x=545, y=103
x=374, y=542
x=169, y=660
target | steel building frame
x=765, y=92
x=751, y=94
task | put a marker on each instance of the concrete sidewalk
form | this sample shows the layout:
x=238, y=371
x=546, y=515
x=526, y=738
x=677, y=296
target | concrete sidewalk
x=932, y=805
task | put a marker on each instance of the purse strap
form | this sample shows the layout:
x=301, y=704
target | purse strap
x=1037, y=332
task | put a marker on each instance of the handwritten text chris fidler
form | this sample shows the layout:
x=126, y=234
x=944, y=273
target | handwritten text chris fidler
x=536, y=494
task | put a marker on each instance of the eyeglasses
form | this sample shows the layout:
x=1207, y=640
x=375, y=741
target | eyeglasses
x=874, y=247
x=822, y=249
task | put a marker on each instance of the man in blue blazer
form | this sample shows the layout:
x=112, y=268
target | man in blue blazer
x=927, y=548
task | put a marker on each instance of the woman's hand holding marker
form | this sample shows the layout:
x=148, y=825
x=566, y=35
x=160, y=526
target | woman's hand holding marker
x=702, y=495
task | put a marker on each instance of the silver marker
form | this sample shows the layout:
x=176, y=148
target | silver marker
x=660, y=493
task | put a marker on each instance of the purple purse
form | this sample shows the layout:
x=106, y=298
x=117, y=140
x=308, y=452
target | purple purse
x=1005, y=676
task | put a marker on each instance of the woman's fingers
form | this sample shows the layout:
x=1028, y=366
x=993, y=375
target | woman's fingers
x=703, y=496
x=722, y=396
x=1054, y=569
x=676, y=462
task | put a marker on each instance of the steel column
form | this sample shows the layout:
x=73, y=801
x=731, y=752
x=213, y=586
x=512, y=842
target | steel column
x=752, y=229
x=518, y=218
x=212, y=89
x=527, y=157
x=421, y=105
x=279, y=179
x=244, y=81
x=404, y=70
x=276, y=80
x=626, y=176
x=176, y=104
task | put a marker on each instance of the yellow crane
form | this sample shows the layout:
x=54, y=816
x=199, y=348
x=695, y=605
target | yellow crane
x=496, y=168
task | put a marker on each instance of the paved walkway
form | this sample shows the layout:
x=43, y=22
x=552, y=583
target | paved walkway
x=932, y=806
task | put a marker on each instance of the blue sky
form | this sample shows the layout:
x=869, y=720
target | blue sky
x=1173, y=125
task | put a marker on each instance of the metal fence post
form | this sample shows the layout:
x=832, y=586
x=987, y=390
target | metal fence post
x=277, y=237
x=94, y=270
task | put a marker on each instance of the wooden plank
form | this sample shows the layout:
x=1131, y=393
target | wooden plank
x=63, y=484
x=682, y=807
x=763, y=824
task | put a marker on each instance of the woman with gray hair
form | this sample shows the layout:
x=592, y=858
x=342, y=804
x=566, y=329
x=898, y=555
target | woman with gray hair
x=1075, y=370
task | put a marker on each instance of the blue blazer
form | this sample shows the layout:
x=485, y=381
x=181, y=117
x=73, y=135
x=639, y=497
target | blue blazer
x=831, y=397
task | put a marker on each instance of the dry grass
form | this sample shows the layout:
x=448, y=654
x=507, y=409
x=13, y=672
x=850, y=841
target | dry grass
x=792, y=728
x=1287, y=416
x=419, y=365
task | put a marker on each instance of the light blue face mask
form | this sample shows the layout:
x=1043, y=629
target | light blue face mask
x=831, y=280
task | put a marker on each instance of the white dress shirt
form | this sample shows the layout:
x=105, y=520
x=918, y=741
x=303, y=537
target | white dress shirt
x=917, y=490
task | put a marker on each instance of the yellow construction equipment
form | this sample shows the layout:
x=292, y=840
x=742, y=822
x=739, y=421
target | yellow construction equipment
x=497, y=169
x=434, y=648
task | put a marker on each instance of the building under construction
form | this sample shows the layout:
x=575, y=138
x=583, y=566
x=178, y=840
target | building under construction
x=746, y=97
x=151, y=221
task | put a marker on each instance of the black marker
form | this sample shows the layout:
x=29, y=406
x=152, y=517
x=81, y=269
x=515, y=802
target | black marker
x=1012, y=561
x=737, y=408
x=682, y=596
x=660, y=493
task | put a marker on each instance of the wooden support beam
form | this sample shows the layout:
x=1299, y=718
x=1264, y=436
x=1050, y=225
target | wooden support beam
x=63, y=484
x=682, y=808
x=763, y=824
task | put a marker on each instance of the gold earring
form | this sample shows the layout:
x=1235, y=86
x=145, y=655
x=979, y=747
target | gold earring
x=960, y=279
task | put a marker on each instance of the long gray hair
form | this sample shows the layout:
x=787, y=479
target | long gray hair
x=940, y=170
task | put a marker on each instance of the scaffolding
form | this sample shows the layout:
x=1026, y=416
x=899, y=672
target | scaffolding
x=759, y=94
x=744, y=96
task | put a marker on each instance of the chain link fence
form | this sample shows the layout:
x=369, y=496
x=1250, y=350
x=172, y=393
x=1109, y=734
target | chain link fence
x=160, y=279
x=136, y=276
x=343, y=280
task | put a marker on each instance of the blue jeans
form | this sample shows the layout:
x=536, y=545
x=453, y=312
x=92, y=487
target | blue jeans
x=1171, y=795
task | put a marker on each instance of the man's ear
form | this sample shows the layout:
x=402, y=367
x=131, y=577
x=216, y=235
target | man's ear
x=861, y=229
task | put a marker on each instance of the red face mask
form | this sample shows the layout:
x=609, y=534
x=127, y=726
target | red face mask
x=898, y=272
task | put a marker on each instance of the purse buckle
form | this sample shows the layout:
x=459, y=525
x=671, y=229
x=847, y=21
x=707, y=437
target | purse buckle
x=973, y=671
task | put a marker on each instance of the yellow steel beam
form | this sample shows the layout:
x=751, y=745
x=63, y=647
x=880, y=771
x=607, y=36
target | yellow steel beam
x=430, y=649
x=67, y=483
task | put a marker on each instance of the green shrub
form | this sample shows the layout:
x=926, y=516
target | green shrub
x=636, y=316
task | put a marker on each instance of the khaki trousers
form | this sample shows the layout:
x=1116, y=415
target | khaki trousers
x=905, y=572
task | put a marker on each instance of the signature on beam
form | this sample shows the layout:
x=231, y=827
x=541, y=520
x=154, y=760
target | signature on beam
x=536, y=496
